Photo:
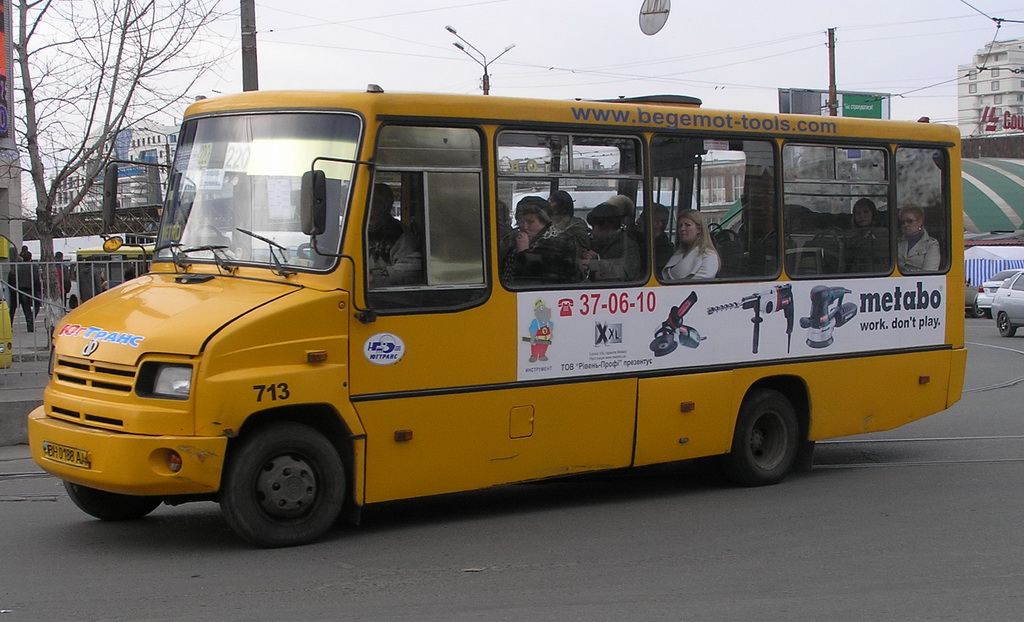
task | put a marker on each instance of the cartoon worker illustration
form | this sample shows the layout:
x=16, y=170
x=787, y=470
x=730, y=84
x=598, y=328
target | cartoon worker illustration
x=541, y=331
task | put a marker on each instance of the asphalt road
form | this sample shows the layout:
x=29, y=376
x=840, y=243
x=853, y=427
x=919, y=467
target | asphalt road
x=920, y=523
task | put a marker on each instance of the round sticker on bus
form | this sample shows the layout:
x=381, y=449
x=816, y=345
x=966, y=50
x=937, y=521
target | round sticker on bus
x=384, y=349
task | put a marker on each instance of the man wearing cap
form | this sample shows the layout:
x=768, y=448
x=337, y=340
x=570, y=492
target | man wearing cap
x=614, y=256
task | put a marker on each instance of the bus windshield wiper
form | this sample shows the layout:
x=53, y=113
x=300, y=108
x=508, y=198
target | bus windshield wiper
x=177, y=256
x=278, y=264
x=215, y=249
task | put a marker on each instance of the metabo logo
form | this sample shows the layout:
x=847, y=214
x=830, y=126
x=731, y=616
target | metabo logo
x=384, y=349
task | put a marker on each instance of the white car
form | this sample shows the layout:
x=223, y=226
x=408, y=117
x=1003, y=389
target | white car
x=1008, y=305
x=987, y=291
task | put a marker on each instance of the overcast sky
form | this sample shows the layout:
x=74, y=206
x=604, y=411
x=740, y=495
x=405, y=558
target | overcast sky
x=732, y=54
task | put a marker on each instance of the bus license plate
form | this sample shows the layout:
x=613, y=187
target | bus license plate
x=71, y=456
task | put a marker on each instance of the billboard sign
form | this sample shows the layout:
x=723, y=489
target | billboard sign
x=860, y=105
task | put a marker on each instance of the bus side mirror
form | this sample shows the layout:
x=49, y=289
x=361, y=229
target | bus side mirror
x=109, y=195
x=313, y=202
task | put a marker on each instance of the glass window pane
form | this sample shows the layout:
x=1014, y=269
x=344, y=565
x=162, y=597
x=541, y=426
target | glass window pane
x=433, y=146
x=836, y=215
x=569, y=220
x=730, y=183
x=424, y=232
x=921, y=180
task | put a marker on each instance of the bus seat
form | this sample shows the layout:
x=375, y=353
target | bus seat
x=805, y=261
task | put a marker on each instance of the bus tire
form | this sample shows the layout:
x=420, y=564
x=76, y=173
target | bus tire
x=1006, y=329
x=766, y=441
x=109, y=505
x=284, y=486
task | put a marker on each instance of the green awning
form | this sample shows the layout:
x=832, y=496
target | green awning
x=993, y=194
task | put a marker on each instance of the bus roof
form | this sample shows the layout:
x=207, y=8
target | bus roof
x=645, y=113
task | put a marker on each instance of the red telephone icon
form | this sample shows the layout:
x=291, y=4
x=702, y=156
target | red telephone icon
x=565, y=304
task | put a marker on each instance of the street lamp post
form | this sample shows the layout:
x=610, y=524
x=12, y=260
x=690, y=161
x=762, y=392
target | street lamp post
x=482, y=61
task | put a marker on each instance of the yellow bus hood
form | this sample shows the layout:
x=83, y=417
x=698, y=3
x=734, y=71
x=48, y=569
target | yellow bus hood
x=154, y=313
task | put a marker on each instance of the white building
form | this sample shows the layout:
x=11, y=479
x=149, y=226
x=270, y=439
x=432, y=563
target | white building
x=138, y=185
x=990, y=90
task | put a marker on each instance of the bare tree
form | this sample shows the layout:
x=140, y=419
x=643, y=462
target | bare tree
x=90, y=69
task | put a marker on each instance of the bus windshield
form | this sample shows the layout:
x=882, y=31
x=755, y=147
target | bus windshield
x=234, y=192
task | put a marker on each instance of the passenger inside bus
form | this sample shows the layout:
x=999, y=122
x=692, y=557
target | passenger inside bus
x=695, y=257
x=614, y=256
x=867, y=243
x=917, y=251
x=535, y=252
x=663, y=248
x=627, y=209
x=392, y=250
x=564, y=221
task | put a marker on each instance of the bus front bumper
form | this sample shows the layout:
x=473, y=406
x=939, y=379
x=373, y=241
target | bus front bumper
x=126, y=463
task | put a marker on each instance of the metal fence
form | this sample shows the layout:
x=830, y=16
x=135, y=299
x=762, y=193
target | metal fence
x=34, y=295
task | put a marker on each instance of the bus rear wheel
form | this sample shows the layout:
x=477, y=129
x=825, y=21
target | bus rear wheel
x=109, y=505
x=766, y=440
x=284, y=486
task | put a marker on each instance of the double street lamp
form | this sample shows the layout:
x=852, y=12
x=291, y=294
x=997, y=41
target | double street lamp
x=482, y=61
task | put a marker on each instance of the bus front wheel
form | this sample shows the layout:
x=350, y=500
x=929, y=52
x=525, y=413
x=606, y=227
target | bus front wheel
x=284, y=486
x=766, y=440
x=109, y=505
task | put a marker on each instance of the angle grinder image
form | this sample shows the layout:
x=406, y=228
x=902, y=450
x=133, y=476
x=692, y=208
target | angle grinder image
x=766, y=302
x=673, y=332
x=828, y=312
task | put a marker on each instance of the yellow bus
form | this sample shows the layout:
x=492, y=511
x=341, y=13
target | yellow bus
x=98, y=269
x=363, y=297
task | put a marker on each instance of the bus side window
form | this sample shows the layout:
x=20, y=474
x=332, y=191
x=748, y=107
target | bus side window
x=567, y=210
x=921, y=176
x=836, y=216
x=424, y=242
x=731, y=183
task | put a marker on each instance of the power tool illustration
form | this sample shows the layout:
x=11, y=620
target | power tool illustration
x=673, y=332
x=827, y=313
x=768, y=301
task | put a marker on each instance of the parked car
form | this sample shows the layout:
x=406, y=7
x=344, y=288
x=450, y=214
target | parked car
x=971, y=308
x=987, y=292
x=1008, y=305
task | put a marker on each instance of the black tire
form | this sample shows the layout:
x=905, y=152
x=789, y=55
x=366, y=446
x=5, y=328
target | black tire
x=283, y=486
x=766, y=440
x=976, y=311
x=109, y=505
x=1006, y=329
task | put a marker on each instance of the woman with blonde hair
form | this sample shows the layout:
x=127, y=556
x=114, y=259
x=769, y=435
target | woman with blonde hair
x=695, y=256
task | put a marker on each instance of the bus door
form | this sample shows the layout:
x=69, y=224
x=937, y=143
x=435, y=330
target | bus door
x=434, y=376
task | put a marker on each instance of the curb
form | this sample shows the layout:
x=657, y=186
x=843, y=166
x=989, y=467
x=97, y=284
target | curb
x=14, y=420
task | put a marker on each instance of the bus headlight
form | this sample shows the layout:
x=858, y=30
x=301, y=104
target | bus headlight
x=172, y=381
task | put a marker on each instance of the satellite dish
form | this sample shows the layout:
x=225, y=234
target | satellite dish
x=653, y=15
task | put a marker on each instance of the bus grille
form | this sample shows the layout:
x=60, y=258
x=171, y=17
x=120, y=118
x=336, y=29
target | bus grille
x=105, y=376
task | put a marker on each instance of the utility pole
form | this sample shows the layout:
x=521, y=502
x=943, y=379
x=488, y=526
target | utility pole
x=482, y=61
x=833, y=101
x=250, y=75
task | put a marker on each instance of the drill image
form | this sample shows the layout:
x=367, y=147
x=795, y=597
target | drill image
x=827, y=313
x=673, y=332
x=765, y=302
